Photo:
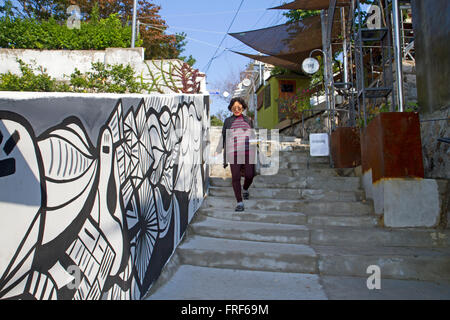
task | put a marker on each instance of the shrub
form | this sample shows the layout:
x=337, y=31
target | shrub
x=106, y=78
x=16, y=33
x=29, y=81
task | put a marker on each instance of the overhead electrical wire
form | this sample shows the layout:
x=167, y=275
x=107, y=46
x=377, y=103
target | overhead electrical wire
x=278, y=17
x=208, y=65
x=212, y=13
x=193, y=39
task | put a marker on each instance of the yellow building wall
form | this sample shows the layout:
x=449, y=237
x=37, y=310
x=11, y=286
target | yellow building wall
x=268, y=117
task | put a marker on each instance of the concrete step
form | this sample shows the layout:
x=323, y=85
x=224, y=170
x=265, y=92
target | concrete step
x=355, y=288
x=286, y=138
x=299, y=154
x=253, y=231
x=289, y=146
x=292, y=194
x=431, y=264
x=302, y=157
x=247, y=255
x=317, y=172
x=282, y=181
x=373, y=236
x=315, y=221
x=217, y=170
x=201, y=283
x=302, y=150
x=331, y=208
x=303, y=165
x=255, y=215
x=286, y=217
x=298, y=170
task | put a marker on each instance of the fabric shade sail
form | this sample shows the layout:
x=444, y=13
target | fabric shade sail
x=311, y=4
x=273, y=60
x=285, y=38
x=290, y=42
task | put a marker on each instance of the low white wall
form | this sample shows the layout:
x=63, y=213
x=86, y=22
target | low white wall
x=59, y=64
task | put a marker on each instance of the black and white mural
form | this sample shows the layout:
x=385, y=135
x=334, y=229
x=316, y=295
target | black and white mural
x=84, y=219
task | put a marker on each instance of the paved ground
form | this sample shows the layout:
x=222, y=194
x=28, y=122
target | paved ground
x=206, y=283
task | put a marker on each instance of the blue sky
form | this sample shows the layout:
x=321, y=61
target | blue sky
x=206, y=21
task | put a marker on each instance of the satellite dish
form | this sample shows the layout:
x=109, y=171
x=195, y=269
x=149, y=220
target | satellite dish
x=310, y=65
x=246, y=82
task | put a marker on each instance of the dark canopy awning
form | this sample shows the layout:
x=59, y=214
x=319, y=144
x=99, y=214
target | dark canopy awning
x=311, y=4
x=273, y=60
x=289, y=41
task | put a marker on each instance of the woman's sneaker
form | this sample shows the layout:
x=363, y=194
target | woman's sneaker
x=245, y=194
x=239, y=207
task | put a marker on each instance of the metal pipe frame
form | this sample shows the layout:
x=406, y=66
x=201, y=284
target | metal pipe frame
x=398, y=54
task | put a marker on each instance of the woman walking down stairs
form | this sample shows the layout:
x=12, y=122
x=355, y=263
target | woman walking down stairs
x=306, y=233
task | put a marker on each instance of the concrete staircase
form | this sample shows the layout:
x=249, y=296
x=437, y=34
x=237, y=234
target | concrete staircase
x=308, y=232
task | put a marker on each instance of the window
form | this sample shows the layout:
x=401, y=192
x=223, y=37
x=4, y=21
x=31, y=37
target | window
x=287, y=87
x=260, y=99
x=267, y=99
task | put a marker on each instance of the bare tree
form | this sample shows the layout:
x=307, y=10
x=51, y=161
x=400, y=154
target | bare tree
x=228, y=83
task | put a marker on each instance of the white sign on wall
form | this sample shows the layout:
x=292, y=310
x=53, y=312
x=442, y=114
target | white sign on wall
x=318, y=144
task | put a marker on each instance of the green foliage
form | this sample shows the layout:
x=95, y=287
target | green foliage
x=17, y=33
x=216, y=122
x=373, y=110
x=297, y=15
x=29, y=80
x=106, y=78
x=412, y=106
x=279, y=71
x=102, y=78
x=293, y=106
x=180, y=47
x=7, y=8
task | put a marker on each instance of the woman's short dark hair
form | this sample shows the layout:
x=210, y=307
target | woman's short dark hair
x=238, y=99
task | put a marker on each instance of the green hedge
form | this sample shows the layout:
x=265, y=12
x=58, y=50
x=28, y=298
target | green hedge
x=18, y=33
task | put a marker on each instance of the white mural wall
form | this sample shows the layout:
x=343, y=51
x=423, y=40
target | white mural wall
x=84, y=219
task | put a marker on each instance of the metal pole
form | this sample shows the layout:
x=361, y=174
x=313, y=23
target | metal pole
x=138, y=23
x=328, y=72
x=261, y=75
x=261, y=82
x=255, y=103
x=133, y=27
x=398, y=54
x=325, y=57
x=344, y=47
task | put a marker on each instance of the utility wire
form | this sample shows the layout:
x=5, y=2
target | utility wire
x=212, y=13
x=193, y=39
x=229, y=27
x=198, y=30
